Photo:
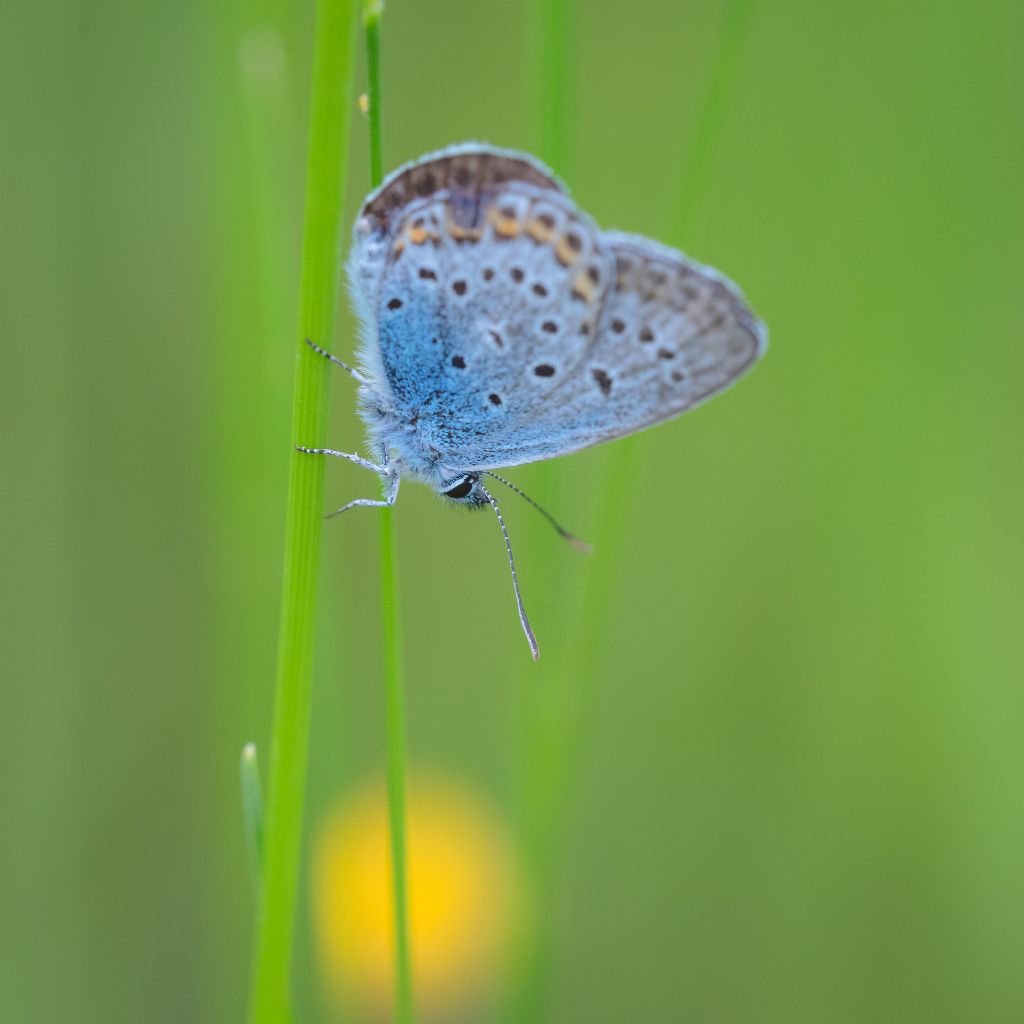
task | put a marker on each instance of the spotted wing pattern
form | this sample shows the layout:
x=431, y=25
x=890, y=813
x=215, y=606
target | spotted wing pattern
x=490, y=285
x=672, y=333
x=504, y=328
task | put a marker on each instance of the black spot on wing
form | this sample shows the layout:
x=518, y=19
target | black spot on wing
x=604, y=382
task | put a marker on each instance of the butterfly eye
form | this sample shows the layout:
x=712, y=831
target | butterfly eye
x=461, y=489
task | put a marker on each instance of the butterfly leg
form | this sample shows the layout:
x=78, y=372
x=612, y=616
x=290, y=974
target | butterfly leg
x=337, y=362
x=357, y=459
x=389, y=498
x=386, y=472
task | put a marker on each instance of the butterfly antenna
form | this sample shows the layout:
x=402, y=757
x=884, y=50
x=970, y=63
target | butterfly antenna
x=580, y=545
x=524, y=621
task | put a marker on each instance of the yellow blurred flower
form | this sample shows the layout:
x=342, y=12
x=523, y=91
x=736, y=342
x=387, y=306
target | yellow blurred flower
x=464, y=897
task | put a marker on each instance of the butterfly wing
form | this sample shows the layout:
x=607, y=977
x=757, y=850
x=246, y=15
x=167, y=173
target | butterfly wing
x=501, y=327
x=481, y=287
x=672, y=334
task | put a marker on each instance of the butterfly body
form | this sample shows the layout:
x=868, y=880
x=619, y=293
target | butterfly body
x=501, y=326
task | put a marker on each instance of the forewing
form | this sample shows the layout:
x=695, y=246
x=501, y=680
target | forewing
x=484, y=286
x=672, y=333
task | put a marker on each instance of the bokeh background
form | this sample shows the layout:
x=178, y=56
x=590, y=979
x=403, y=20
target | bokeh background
x=777, y=775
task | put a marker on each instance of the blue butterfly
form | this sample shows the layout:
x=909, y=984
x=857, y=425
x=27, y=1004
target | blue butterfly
x=500, y=326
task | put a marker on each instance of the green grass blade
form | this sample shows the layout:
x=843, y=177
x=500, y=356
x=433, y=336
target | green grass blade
x=626, y=463
x=395, y=696
x=558, y=719
x=552, y=38
x=321, y=256
x=711, y=118
x=543, y=686
x=390, y=618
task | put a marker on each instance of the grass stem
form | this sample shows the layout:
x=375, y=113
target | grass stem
x=552, y=37
x=331, y=104
x=712, y=116
x=395, y=696
x=626, y=458
x=394, y=682
x=559, y=719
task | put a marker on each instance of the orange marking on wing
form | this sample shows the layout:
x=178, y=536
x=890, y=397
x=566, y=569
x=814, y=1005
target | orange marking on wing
x=504, y=227
x=566, y=252
x=540, y=231
x=585, y=287
x=461, y=234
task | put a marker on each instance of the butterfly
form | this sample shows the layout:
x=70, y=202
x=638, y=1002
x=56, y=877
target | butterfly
x=501, y=326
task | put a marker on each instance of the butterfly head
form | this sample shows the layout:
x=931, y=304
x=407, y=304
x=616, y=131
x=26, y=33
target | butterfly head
x=464, y=490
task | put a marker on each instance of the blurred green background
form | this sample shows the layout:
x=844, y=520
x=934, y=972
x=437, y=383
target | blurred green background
x=797, y=791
